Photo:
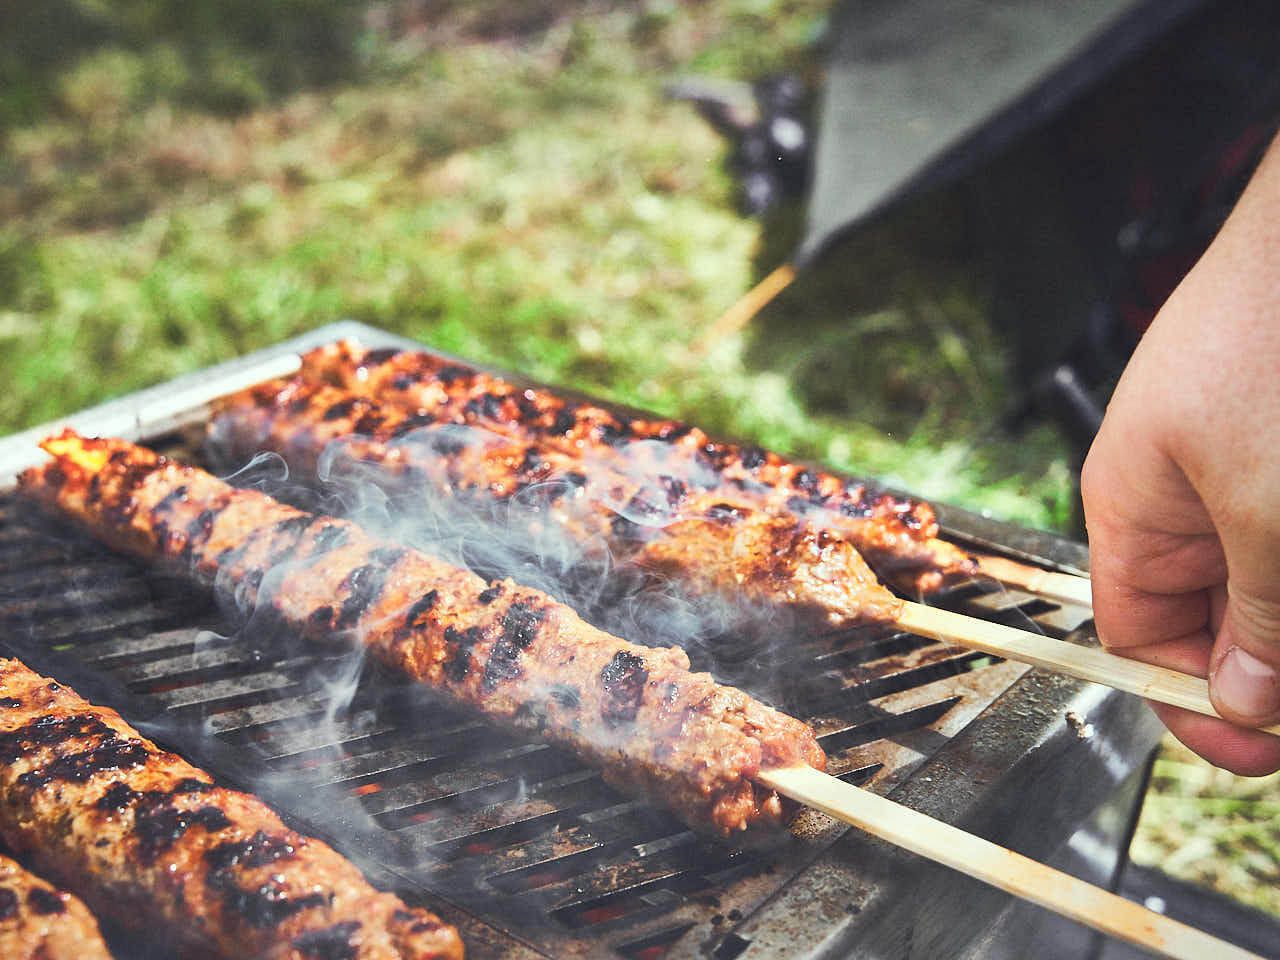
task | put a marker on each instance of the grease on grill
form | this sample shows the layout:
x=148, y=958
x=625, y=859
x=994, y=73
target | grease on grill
x=623, y=679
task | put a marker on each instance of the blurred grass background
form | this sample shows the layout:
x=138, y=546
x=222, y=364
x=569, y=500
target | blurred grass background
x=184, y=182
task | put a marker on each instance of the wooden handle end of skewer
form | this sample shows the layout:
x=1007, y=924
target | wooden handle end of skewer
x=997, y=866
x=1084, y=663
x=1063, y=587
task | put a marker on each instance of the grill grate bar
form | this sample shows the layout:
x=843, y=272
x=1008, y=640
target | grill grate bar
x=504, y=776
x=541, y=805
x=174, y=695
x=119, y=652
x=229, y=721
x=554, y=890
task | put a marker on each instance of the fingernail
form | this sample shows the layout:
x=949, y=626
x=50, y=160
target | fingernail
x=1246, y=685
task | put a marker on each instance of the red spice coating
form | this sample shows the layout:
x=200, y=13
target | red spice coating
x=652, y=726
x=149, y=840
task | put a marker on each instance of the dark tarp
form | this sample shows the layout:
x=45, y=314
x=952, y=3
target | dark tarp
x=918, y=91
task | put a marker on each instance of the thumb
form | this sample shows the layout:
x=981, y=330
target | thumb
x=1244, y=671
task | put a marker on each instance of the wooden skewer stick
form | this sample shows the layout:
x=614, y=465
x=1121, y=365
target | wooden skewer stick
x=1084, y=663
x=745, y=309
x=1001, y=868
x=1046, y=583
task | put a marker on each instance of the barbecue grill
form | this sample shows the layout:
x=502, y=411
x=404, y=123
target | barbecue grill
x=526, y=850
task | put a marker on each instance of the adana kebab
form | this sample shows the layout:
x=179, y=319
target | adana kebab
x=708, y=544
x=515, y=655
x=40, y=922
x=898, y=536
x=698, y=538
x=150, y=841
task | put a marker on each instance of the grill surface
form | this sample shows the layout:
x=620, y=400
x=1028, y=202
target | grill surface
x=526, y=849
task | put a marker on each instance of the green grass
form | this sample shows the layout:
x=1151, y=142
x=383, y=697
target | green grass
x=510, y=184
x=1207, y=827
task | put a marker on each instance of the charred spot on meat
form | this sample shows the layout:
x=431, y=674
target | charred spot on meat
x=519, y=629
x=623, y=680
x=46, y=902
x=339, y=410
x=331, y=943
x=409, y=424
x=8, y=903
x=380, y=355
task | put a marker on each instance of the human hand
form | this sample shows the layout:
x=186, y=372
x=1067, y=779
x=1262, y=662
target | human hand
x=1182, y=489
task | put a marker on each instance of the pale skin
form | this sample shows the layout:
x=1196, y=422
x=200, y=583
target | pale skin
x=1182, y=489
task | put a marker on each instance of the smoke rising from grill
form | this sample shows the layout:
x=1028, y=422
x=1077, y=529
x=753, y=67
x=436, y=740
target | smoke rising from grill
x=505, y=538
x=535, y=536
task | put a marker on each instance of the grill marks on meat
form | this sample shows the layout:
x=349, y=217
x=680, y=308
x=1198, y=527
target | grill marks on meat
x=40, y=922
x=147, y=839
x=512, y=653
x=897, y=535
x=671, y=528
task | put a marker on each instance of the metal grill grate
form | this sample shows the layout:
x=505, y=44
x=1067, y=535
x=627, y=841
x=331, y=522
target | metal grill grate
x=506, y=829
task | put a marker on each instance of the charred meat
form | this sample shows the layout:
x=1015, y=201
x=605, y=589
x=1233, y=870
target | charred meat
x=693, y=536
x=512, y=653
x=40, y=922
x=898, y=536
x=150, y=841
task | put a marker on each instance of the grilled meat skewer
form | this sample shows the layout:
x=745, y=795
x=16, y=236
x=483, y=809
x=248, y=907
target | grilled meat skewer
x=149, y=840
x=897, y=536
x=512, y=653
x=40, y=922
x=696, y=537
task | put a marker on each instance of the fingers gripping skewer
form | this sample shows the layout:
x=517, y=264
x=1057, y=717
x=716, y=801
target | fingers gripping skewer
x=1084, y=663
x=1001, y=868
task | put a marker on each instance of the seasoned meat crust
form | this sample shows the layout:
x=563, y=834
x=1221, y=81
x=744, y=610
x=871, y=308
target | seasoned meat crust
x=150, y=841
x=40, y=922
x=512, y=653
x=695, y=537
x=897, y=536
